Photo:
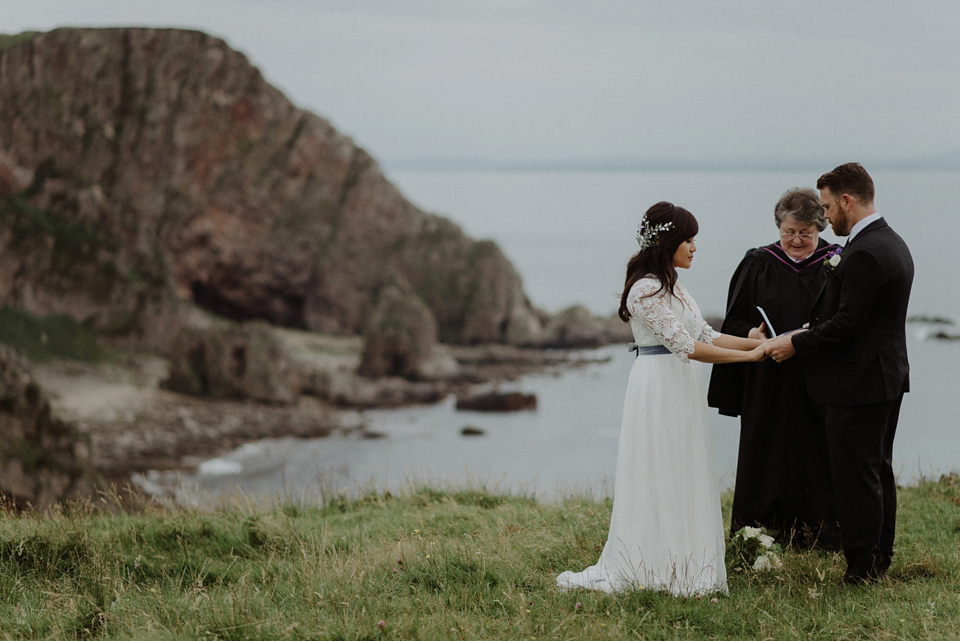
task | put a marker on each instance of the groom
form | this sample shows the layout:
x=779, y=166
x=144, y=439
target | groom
x=855, y=357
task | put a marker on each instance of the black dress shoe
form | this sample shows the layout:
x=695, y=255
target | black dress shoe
x=861, y=580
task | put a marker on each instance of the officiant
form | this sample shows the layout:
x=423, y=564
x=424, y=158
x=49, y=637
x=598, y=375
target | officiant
x=783, y=476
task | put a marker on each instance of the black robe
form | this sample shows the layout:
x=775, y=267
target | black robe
x=783, y=475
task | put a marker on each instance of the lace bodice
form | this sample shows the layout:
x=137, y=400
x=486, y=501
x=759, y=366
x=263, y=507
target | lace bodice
x=663, y=319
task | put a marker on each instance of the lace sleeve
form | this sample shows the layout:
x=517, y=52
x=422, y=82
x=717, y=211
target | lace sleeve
x=655, y=312
x=707, y=333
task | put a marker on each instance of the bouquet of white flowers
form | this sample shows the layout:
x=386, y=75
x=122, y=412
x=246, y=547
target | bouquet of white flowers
x=750, y=548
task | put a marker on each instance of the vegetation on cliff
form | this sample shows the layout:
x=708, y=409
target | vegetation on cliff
x=51, y=337
x=7, y=41
x=436, y=564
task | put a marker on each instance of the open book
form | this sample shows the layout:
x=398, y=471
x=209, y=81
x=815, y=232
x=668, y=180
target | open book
x=771, y=332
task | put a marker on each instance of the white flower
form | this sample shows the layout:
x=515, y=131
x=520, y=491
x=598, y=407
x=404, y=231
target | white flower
x=751, y=532
x=767, y=562
x=834, y=260
x=766, y=540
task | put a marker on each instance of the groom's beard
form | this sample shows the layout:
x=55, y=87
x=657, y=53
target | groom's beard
x=838, y=223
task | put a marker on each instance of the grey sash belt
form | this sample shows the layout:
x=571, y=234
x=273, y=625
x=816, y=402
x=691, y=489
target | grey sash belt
x=649, y=350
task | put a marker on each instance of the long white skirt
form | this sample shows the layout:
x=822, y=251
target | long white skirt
x=666, y=530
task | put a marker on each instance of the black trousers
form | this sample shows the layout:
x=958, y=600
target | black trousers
x=860, y=448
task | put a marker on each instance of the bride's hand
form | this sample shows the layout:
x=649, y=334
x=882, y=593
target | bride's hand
x=758, y=353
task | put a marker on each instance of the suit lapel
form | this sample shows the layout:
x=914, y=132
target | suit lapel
x=880, y=223
x=872, y=227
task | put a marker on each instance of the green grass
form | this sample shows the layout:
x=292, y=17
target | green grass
x=435, y=564
x=42, y=338
x=10, y=40
x=31, y=227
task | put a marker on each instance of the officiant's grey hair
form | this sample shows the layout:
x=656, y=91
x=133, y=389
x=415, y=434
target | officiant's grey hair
x=803, y=205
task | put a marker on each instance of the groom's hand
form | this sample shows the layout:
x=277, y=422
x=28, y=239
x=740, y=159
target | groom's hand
x=781, y=348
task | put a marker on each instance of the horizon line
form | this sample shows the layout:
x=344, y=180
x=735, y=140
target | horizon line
x=575, y=165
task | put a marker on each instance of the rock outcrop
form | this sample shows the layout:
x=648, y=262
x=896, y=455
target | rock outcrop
x=400, y=338
x=145, y=173
x=498, y=402
x=43, y=460
x=575, y=327
x=238, y=361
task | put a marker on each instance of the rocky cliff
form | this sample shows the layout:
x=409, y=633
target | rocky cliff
x=43, y=460
x=146, y=173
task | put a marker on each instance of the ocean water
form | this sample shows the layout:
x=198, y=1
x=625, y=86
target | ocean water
x=570, y=234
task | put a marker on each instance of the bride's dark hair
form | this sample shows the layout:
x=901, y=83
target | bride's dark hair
x=657, y=259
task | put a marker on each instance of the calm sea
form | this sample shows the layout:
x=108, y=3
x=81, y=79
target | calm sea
x=569, y=235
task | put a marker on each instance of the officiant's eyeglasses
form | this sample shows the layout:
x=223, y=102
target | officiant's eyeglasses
x=792, y=234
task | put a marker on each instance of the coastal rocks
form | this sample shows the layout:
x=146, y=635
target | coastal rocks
x=242, y=361
x=170, y=432
x=134, y=425
x=43, y=460
x=498, y=402
x=363, y=392
x=939, y=328
x=328, y=367
x=400, y=336
x=576, y=327
x=145, y=172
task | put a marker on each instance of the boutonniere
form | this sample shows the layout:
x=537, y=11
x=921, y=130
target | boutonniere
x=831, y=261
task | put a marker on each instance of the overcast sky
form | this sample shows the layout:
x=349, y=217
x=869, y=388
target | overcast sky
x=604, y=82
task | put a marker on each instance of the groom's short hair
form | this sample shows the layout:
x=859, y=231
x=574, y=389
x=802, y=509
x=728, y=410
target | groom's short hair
x=850, y=178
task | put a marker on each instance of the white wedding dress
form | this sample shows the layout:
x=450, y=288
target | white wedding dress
x=666, y=531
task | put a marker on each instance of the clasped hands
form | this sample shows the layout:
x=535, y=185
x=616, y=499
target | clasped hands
x=779, y=348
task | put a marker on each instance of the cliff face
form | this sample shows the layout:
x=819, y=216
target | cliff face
x=146, y=170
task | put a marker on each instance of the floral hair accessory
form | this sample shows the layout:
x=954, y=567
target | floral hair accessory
x=647, y=234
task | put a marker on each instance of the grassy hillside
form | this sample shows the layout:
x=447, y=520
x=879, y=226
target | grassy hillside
x=435, y=565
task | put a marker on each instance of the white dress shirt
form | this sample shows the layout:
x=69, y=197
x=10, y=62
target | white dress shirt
x=863, y=223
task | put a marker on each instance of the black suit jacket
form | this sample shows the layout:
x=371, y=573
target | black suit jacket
x=855, y=352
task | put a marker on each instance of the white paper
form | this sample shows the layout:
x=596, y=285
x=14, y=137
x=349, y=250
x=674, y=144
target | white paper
x=771, y=332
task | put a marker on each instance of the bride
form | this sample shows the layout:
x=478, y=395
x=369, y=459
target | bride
x=666, y=531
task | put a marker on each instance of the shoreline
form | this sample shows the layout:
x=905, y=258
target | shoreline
x=136, y=427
